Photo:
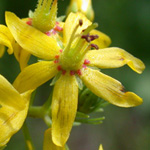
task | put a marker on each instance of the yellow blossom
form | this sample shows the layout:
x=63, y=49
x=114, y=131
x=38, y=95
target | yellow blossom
x=84, y=6
x=101, y=147
x=71, y=60
x=13, y=110
x=48, y=143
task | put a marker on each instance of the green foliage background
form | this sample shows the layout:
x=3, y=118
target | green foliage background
x=127, y=22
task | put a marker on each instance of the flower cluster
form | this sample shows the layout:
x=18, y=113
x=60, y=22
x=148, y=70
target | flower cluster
x=71, y=54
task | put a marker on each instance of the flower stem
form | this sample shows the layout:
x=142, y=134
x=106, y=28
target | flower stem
x=28, y=140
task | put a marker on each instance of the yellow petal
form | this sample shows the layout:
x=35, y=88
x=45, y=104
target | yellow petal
x=6, y=38
x=70, y=23
x=64, y=107
x=101, y=147
x=48, y=143
x=21, y=55
x=114, y=58
x=30, y=39
x=109, y=89
x=103, y=41
x=2, y=50
x=13, y=110
x=34, y=75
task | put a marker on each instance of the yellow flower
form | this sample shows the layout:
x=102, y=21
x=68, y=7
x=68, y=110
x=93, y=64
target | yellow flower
x=13, y=110
x=48, y=143
x=84, y=6
x=71, y=61
x=6, y=39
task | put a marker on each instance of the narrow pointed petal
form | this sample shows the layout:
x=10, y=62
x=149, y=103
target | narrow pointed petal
x=114, y=58
x=70, y=24
x=64, y=107
x=13, y=110
x=101, y=147
x=48, y=143
x=109, y=89
x=103, y=41
x=6, y=38
x=35, y=75
x=30, y=39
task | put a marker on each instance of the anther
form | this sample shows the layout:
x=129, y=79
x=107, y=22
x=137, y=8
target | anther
x=80, y=22
x=57, y=56
x=48, y=33
x=93, y=37
x=29, y=22
x=94, y=46
x=79, y=72
x=59, y=68
x=58, y=28
x=86, y=37
x=72, y=72
x=86, y=61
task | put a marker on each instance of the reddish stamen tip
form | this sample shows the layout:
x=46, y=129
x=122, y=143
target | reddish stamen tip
x=57, y=23
x=86, y=61
x=61, y=50
x=29, y=22
x=72, y=72
x=63, y=72
x=48, y=33
x=84, y=66
x=94, y=46
x=53, y=32
x=58, y=28
x=59, y=68
x=79, y=72
x=56, y=61
x=57, y=56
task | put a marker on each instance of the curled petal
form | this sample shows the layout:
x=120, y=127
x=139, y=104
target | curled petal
x=13, y=110
x=30, y=39
x=6, y=38
x=114, y=58
x=35, y=75
x=109, y=89
x=71, y=22
x=48, y=143
x=64, y=107
x=2, y=50
x=103, y=41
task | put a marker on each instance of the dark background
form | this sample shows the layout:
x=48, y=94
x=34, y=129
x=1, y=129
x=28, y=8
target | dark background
x=127, y=22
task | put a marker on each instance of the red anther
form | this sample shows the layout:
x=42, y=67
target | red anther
x=84, y=66
x=93, y=37
x=86, y=61
x=58, y=28
x=53, y=32
x=72, y=72
x=57, y=56
x=63, y=72
x=29, y=22
x=57, y=23
x=94, y=46
x=48, y=33
x=56, y=61
x=61, y=50
x=79, y=72
x=59, y=68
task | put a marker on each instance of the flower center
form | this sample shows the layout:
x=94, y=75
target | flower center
x=72, y=56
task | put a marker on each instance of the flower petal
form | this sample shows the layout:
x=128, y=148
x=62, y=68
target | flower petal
x=109, y=89
x=21, y=55
x=71, y=22
x=35, y=75
x=64, y=107
x=101, y=147
x=103, y=41
x=114, y=58
x=6, y=38
x=13, y=110
x=2, y=50
x=48, y=143
x=32, y=40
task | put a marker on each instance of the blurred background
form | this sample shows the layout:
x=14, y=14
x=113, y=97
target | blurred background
x=127, y=22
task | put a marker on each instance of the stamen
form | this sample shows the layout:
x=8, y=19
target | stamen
x=93, y=37
x=72, y=72
x=58, y=28
x=84, y=66
x=79, y=72
x=86, y=37
x=48, y=33
x=86, y=61
x=94, y=46
x=59, y=68
x=29, y=22
x=63, y=72
x=57, y=56
x=61, y=50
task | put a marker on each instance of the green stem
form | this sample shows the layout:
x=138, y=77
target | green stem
x=36, y=112
x=28, y=140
